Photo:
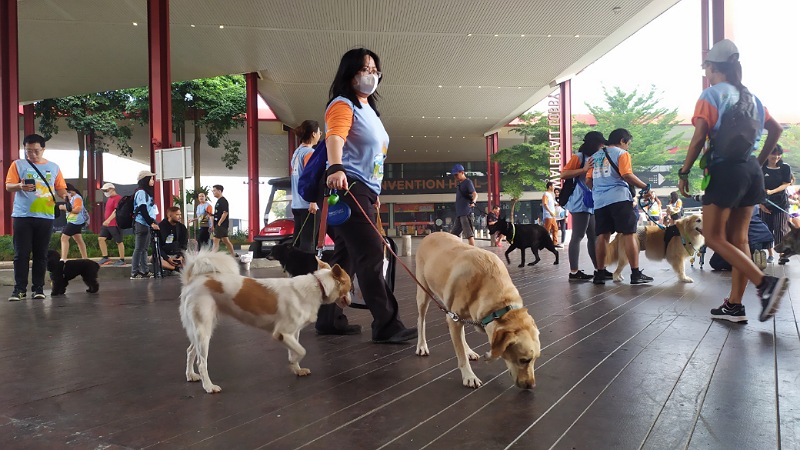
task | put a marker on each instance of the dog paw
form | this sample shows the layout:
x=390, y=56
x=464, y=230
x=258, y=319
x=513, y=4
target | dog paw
x=192, y=377
x=301, y=372
x=422, y=350
x=687, y=280
x=521, y=265
x=212, y=389
x=473, y=356
x=472, y=382
x=617, y=277
x=555, y=263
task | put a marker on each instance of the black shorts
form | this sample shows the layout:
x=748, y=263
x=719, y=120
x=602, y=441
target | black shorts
x=617, y=217
x=71, y=229
x=220, y=232
x=735, y=184
x=111, y=232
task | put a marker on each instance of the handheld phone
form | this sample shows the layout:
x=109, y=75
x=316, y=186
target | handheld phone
x=29, y=181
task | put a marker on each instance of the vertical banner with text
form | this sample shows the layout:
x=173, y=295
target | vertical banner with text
x=554, y=125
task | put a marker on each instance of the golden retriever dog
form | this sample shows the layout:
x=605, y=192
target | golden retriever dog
x=475, y=284
x=282, y=306
x=685, y=237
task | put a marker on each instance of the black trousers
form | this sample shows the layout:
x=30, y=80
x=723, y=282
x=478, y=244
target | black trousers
x=203, y=236
x=304, y=225
x=31, y=236
x=359, y=250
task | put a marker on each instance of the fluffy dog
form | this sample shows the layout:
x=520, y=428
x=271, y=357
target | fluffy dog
x=790, y=244
x=675, y=244
x=282, y=306
x=473, y=283
x=520, y=237
x=63, y=271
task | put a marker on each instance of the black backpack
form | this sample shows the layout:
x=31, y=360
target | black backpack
x=568, y=187
x=124, y=212
x=735, y=138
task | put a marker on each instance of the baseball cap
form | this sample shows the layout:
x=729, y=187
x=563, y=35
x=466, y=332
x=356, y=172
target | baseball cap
x=108, y=186
x=722, y=51
x=456, y=168
x=145, y=173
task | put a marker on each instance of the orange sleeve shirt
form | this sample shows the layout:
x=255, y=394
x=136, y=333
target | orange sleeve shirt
x=339, y=120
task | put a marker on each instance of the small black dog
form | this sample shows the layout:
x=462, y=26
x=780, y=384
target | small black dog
x=295, y=261
x=524, y=236
x=63, y=271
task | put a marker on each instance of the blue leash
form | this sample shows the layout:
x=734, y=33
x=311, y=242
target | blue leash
x=778, y=207
x=645, y=204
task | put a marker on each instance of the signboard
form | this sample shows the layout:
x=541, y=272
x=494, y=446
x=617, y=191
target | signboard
x=174, y=163
x=427, y=185
x=554, y=124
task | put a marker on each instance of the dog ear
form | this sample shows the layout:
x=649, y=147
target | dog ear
x=322, y=264
x=501, y=339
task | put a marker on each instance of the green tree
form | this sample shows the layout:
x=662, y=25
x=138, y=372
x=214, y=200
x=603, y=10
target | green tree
x=525, y=166
x=213, y=106
x=100, y=116
x=651, y=125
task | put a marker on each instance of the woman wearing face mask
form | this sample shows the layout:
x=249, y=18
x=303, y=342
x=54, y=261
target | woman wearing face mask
x=777, y=177
x=76, y=219
x=357, y=145
x=145, y=212
x=309, y=134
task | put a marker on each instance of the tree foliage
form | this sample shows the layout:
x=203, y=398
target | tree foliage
x=525, y=166
x=650, y=124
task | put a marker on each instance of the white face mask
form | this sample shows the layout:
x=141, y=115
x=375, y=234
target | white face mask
x=107, y=194
x=367, y=84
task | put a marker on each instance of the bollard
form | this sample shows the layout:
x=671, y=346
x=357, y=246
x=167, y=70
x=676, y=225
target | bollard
x=406, y=245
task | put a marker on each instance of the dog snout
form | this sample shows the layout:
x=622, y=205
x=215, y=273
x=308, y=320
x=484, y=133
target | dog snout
x=526, y=384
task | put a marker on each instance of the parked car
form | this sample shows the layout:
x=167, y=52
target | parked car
x=280, y=230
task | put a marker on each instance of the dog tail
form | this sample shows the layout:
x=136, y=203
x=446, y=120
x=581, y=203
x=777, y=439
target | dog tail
x=207, y=261
x=612, y=251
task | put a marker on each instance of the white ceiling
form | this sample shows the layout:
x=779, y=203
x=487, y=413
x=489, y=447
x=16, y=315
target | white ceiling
x=84, y=46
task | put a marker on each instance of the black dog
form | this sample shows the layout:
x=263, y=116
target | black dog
x=295, y=261
x=63, y=271
x=525, y=236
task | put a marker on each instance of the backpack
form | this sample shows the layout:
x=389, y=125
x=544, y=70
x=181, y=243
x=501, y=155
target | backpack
x=735, y=138
x=124, y=212
x=308, y=183
x=568, y=187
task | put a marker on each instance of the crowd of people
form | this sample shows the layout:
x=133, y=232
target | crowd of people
x=357, y=144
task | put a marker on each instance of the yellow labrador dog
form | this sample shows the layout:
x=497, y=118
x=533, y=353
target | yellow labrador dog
x=475, y=284
x=675, y=244
x=282, y=306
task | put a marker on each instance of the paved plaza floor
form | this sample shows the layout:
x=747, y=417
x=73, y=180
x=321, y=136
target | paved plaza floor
x=622, y=367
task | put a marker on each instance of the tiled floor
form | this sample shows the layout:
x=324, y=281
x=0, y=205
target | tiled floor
x=622, y=367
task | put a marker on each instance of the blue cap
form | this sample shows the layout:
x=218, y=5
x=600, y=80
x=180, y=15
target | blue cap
x=456, y=168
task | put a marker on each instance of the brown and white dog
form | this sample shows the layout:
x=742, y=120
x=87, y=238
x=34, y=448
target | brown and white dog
x=282, y=306
x=681, y=243
x=475, y=284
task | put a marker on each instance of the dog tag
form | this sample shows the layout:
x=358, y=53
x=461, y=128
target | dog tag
x=338, y=213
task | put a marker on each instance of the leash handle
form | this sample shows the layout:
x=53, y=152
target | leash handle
x=323, y=223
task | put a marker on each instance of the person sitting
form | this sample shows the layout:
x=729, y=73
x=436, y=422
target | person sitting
x=173, y=239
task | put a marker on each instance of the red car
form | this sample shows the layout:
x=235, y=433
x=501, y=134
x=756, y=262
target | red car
x=281, y=229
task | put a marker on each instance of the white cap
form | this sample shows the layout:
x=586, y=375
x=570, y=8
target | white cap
x=108, y=186
x=722, y=52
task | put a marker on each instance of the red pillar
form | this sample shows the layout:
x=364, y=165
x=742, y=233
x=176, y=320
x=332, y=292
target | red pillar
x=565, y=88
x=490, y=174
x=253, y=213
x=160, y=88
x=99, y=210
x=496, y=168
x=9, y=102
x=91, y=182
x=28, y=119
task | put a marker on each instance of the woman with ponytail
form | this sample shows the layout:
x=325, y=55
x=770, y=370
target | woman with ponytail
x=735, y=186
x=309, y=134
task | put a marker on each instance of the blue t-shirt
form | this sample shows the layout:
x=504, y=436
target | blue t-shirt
x=79, y=217
x=297, y=169
x=464, y=192
x=141, y=198
x=550, y=198
x=608, y=187
x=575, y=202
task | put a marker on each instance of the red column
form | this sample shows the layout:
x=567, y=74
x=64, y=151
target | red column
x=28, y=119
x=565, y=88
x=99, y=180
x=9, y=102
x=160, y=87
x=720, y=25
x=253, y=213
x=91, y=182
x=490, y=174
x=496, y=169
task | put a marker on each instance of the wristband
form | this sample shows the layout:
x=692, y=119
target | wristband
x=683, y=175
x=333, y=169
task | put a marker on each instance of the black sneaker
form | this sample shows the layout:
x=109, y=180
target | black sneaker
x=783, y=260
x=730, y=311
x=147, y=275
x=598, y=277
x=17, y=296
x=770, y=293
x=579, y=276
x=137, y=276
x=640, y=278
x=606, y=274
x=39, y=295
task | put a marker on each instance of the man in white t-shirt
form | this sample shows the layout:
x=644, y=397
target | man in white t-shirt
x=549, y=214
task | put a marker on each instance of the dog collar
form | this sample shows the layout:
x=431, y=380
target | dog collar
x=497, y=314
x=319, y=282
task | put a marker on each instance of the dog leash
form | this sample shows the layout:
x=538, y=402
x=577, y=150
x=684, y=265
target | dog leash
x=453, y=316
x=777, y=207
x=644, y=204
